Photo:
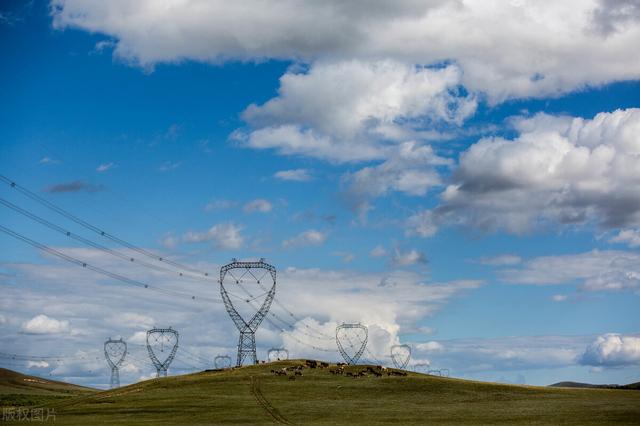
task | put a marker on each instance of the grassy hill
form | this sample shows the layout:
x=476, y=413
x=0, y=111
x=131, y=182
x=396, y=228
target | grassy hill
x=254, y=395
x=634, y=386
x=23, y=390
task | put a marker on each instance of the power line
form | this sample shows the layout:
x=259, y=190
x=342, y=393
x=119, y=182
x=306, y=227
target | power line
x=298, y=320
x=105, y=272
x=19, y=357
x=86, y=241
x=94, y=228
x=288, y=324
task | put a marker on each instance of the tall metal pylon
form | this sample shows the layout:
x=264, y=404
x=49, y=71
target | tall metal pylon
x=342, y=331
x=114, y=352
x=161, y=340
x=239, y=273
x=400, y=355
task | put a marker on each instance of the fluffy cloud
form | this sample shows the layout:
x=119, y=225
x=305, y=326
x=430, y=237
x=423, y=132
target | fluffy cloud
x=42, y=324
x=350, y=104
x=469, y=356
x=614, y=15
x=378, y=251
x=611, y=350
x=595, y=270
x=37, y=364
x=258, y=205
x=432, y=346
x=559, y=169
x=631, y=237
x=297, y=175
x=422, y=224
x=506, y=49
x=306, y=238
x=408, y=258
x=352, y=111
x=226, y=236
x=410, y=170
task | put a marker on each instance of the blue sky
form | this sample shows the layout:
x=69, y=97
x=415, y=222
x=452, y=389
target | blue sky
x=471, y=201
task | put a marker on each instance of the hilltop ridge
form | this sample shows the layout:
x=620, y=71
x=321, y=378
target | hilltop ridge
x=261, y=394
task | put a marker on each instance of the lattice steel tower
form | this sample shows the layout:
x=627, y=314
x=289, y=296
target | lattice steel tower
x=238, y=273
x=114, y=352
x=161, y=340
x=342, y=332
x=400, y=355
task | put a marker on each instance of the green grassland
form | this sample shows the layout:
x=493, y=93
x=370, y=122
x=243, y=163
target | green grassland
x=22, y=390
x=254, y=395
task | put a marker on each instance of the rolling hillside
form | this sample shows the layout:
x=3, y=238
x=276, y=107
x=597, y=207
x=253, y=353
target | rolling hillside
x=592, y=386
x=255, y=395
x=21, y=389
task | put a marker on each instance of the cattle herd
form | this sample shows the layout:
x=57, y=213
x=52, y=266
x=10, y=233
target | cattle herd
x=340, y=369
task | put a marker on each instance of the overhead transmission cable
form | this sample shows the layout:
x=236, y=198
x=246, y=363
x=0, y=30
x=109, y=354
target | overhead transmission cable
x=93, y=228
x=279, y=327
x=93, y=244
x=99, y=270
x=288, y=324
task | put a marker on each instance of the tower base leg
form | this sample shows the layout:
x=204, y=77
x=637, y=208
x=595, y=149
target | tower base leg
x=247, y=348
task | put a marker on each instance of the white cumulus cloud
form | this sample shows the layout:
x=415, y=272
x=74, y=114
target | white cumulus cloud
x=631, y=237
x=42, y=324
x=408, y=258
x=258, y=205
x=350, y=111
x=311, y=237
x=608, y=270
x=226, y=236
x=505, y=49
x=561, y=170
x=611, y=350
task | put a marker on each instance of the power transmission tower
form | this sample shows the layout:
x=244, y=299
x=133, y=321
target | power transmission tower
x=114, y=352
x=277, y=354
x=400, y=355
x=343, y=331
x=222, y=361
x=162, y=340
x=240, y=273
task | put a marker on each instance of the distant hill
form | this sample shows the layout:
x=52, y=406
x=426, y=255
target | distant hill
x=14, y=382
x=17, y=389
x=635, y=386
x=265, y=394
